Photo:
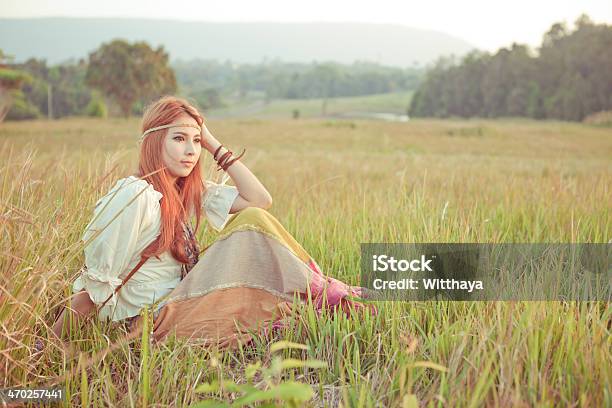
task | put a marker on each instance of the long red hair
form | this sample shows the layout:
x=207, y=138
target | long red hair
x=179, y=200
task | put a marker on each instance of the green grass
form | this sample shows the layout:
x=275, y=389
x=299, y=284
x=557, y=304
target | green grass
x=335, y=184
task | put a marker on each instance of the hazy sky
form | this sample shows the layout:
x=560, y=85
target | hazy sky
x=487, y=24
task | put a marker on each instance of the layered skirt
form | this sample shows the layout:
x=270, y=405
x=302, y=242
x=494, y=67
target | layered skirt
x=246, y=282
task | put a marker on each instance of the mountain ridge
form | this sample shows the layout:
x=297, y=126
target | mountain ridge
x=58, y=39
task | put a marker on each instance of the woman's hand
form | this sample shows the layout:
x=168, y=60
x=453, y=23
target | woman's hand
x=210, y=142
x=251, y=192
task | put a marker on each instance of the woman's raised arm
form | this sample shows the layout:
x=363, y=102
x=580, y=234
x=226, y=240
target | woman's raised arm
x=251, y=192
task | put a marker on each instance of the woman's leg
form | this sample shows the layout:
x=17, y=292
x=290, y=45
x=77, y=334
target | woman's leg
x=260, y=219
x=81, y=307
x=324, y=289
x=246, y=280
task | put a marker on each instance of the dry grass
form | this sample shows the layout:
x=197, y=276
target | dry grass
x=335, y=185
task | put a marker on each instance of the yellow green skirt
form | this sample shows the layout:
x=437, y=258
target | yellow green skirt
x=245, y=282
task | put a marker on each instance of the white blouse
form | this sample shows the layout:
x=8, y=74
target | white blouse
x=125, y=233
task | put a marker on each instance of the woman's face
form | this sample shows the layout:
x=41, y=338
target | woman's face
x=182, y=148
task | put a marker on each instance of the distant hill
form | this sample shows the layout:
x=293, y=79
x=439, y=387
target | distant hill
x=59, y=39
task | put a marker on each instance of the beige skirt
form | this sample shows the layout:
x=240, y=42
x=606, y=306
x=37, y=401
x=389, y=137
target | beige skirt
x=246, y=282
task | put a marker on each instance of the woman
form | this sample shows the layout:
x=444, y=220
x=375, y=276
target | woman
x=244, y=281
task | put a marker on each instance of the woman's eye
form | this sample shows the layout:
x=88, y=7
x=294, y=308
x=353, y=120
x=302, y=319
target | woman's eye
x=180, y=138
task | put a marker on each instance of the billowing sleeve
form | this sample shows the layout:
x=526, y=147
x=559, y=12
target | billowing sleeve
x=108, y=254
x=217, y=202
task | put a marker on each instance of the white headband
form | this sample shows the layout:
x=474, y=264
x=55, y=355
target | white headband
x=169, y=126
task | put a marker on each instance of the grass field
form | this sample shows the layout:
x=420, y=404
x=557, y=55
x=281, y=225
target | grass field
x=335, y=185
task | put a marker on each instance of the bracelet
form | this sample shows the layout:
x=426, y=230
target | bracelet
x=230, y=162
x=226, y=159
x=223, y=159
x=217, y=152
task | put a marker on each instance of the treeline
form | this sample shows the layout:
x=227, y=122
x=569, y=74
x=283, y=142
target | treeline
x=55, y=91
x=295, y=81
x=70, y=89
x=569, y=78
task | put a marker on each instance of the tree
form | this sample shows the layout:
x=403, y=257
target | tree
x=127, y=73
x=11, y=81
x=568, y=79
x=208, y=98
x=328, y=75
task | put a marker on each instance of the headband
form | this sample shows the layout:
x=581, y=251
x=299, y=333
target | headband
x=169, y=126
